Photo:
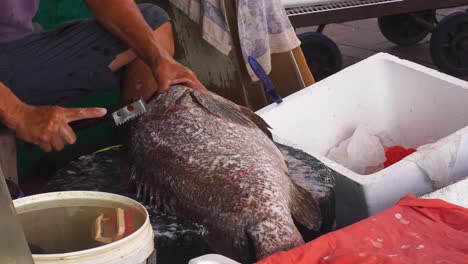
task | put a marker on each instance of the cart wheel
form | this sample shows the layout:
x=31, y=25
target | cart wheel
x=449, y=44
x=404, y=29
x=322, y=54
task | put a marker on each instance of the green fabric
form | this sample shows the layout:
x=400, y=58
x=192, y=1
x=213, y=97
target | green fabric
x=52, y=13
x=29, y=158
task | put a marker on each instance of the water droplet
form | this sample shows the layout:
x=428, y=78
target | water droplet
x=140, y=187
x=404, y=221
x=398, y=216
x=421, y=246
x=156, y=202
x=377, y=244
x=405, y=246
x=145, y=192
x=151, y=198
x=374, y=243
x=133, y=174
x=414, y=234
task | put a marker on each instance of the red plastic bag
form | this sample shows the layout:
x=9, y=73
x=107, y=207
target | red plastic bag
x=395, y=154
x=413, y=231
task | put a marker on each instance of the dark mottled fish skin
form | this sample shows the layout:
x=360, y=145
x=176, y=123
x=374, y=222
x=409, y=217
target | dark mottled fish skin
x=178, y=241
x=203, y=158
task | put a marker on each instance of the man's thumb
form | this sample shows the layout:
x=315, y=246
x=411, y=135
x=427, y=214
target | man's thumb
x=163, y=85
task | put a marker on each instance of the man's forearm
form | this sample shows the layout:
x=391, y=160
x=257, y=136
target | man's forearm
x=124, y=20
x=9, y=107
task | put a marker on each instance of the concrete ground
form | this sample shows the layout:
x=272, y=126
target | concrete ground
x=360, y=39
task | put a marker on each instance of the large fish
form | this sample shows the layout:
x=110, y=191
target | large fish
x=201, y=157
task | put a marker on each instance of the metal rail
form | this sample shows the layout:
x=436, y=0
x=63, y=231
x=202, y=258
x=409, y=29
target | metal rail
x=320, y=14
x=300, y=10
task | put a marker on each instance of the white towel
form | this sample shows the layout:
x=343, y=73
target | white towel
x=264, y=28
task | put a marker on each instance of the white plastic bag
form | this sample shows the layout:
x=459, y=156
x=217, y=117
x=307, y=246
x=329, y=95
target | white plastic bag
x=439, y=159
x=362, y=153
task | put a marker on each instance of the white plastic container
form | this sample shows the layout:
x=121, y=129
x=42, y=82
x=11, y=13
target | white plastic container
x=456, y=193
x=212, y=259
x=56, y=221
x=413, y=104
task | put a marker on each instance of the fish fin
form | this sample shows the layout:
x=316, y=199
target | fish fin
x=273, y=235
x=305, y=208
x=221, y=107
x=262, y=124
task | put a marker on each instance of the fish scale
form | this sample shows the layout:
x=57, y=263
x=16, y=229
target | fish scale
x=191, y=173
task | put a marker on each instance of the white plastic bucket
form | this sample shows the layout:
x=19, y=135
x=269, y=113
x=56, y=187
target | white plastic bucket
x=61, y=220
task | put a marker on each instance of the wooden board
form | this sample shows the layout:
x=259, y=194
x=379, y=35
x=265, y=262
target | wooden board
x=227, y=75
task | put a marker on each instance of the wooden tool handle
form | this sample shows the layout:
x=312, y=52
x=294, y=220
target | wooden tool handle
x=87, y=123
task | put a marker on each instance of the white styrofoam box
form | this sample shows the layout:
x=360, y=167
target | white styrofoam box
x=212, y=259
x=414, y=105
x=456, y=193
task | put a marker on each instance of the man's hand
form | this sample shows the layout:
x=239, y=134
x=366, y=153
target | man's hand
x=47, y=126
x=169, y=72
x=126, y=22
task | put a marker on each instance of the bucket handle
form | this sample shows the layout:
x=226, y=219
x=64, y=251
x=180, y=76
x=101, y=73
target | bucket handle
x=98, y=227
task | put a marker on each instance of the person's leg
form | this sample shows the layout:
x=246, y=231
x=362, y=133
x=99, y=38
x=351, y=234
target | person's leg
x=137, y=79
x=60, y=66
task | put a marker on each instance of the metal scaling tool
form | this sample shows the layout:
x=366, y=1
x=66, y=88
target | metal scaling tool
x=129, y=112
x=119, y=117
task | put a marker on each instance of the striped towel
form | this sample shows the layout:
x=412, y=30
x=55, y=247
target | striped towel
x=264, y=27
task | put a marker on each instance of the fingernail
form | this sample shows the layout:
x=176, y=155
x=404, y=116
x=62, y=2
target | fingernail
x=103, y=111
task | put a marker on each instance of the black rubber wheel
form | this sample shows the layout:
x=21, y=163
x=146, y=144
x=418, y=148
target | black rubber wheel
x=322, y=54
x=449, y=44
x=404, y=30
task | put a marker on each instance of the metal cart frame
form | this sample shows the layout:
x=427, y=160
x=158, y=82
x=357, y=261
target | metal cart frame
x=420, y=12
x=314, y=15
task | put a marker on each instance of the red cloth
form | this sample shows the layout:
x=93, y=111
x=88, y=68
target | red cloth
x=395, y=154
x=413, y=231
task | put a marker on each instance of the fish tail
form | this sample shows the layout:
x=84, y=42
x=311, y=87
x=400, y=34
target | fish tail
x=274, y=235
x=304, y=207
